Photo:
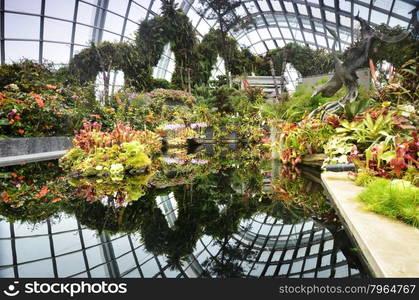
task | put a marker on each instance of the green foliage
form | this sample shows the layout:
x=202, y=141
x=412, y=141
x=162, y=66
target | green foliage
x=395, y=53
x=397, y=199
x=404, y=86
x=307, y=137
x=357, y=107
x=304, y=59
x=368, y=130
x=300, y=103
x=37, y=103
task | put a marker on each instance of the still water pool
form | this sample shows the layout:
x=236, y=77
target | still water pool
x=217, y=212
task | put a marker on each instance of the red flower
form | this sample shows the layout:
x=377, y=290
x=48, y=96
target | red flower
x=17, y=118
x=11, y=121
x=21, y=131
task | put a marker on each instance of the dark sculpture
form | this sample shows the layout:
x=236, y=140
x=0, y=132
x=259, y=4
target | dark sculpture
x=356, y=57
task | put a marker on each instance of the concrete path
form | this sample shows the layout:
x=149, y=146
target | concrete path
x=390, y=247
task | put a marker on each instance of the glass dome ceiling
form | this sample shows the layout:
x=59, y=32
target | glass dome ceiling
x=56, y=30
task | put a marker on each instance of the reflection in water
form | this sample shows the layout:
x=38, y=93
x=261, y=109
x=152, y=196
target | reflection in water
x=212, y=213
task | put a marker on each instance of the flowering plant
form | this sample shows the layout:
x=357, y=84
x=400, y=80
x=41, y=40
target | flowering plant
x=103, y=162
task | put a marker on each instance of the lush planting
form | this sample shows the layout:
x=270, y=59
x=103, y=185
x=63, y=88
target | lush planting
x=398, y=199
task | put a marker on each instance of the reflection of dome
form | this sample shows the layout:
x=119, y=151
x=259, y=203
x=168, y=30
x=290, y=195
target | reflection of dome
x=303, y=249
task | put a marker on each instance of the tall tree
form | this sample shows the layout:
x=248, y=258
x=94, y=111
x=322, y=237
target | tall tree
x=224, y=13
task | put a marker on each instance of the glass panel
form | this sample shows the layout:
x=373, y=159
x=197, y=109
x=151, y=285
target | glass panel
x=275, y=33
x=57, y=30
x=264, y=6
x=394, y=22
x=70, y=264
x=118, y=6
x=270, y=44
x=30, y=6
x=130, y=29
x=316, y=12
x=403, y=9
x=251, y=7
x=14, y=24
x=40, y=269
x=302, y=9
x=63, y=9
x=330, y=17
x=260, y=48
x=136, y=13
x=345, y=21
x=57, y=53
x=330, y=3
x=377, y=17
x=156, y=7
x=83, y=35
x=289, y=7
x=345, y=5
x=114, y=23
x=107, y=36
x=264, y=33
x=15, y=51
x=86, y=13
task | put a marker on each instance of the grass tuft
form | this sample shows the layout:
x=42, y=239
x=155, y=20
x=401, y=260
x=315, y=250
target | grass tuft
x=397, y=199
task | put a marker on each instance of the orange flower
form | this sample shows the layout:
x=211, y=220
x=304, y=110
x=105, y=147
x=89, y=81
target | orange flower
x=14, y=175
x=11, y=121
x=48, y=126
x=51, y=87
x=55, y=200
x=17, y=118
x=43, y=192
x=2, y=96
x=5, y=197
x=58, y=113
x=20, y=177
x=21, y=131
x=95, y=116
x=38, y=99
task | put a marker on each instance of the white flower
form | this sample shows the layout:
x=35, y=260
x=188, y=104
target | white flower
x=116, y=168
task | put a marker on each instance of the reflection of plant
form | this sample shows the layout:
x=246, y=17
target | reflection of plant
x=229, y=262
x=397, y=199
x=29, y=194
x=296, y=199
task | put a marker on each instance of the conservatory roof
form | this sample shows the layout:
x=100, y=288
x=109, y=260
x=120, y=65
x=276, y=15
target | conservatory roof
x=55, y=30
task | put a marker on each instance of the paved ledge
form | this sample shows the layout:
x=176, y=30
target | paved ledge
x=16, y=160
x=390, y=247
